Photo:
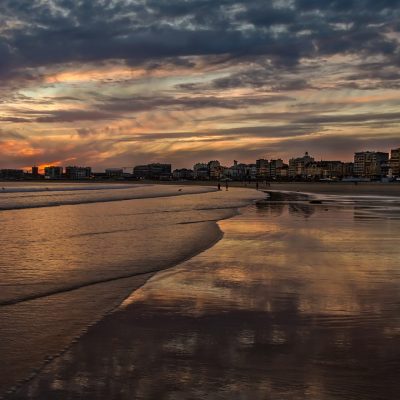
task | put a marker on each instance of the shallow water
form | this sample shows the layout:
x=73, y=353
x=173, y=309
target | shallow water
x=16, y=195
x=63, y=268
x=297, y=301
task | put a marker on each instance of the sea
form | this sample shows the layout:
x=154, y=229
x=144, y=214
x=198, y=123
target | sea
x=186, y=292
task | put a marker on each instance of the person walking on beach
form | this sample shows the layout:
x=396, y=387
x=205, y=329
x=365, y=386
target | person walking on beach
x=226, y=185
x=219, y=186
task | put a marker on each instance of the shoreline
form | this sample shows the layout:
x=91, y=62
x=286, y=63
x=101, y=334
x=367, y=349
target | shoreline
x=134, y=196
x=378, y=188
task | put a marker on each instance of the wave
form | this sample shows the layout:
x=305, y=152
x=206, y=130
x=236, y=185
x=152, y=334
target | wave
x=80, y=285
x=65, y=197
x=59, y=188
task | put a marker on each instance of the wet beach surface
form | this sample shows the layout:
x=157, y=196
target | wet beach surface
x=299, y=300
x=64, y=268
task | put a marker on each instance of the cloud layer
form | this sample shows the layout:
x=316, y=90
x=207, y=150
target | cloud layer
x=118, y=82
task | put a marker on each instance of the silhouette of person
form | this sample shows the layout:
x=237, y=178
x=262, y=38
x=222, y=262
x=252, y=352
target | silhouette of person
x=226, y=185
x=219, y=186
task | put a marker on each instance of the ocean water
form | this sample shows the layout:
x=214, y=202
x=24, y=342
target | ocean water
x=300, y=299
x=71, y=253
x=15, y=195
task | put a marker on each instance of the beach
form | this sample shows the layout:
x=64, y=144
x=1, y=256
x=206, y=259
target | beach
x=71, y=254
x=290, y=292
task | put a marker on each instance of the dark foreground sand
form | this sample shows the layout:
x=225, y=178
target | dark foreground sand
x=297, y=301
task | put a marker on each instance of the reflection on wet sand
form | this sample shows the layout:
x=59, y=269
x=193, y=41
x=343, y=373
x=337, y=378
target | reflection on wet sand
x=298, y=301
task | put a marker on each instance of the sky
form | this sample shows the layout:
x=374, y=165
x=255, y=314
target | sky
x=117, y=83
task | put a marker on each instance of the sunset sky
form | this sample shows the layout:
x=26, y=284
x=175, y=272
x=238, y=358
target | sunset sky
x=115, y=83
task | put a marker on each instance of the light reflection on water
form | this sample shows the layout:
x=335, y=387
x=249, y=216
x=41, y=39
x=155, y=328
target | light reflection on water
x=297, y=301
x=63, y=268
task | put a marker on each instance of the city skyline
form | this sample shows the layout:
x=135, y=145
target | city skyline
x=368, y=164
x=127, y=82
x=41, y=167
x=183, y=164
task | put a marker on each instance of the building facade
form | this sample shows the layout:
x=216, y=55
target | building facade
x=394, y=162
x=153, y=171
x=297, y=166
x=53, y=172
x=11, y=174
x=262, y=168
x=183, y=173
x=214, y=169
x=371, y=164
x=114, y=172
x=35, y=171
x=200, y=171
x=77, y=173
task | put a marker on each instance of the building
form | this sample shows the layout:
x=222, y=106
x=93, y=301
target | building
x=77, y=173
x=11, y=174
x=153, y=171
x=324, y=170
x=214, y=169
x=297, y=166
x=371, y=164
x=347, y=169
x=250, y=171
x=114, y=172
x=283, y=173
x=200, y=171
x=394, y=162
x=141, y=171
x=35, y=171
x=53, y=172
x=262, y=168
x=275, y=169
x=183, y=173
x=235, y=172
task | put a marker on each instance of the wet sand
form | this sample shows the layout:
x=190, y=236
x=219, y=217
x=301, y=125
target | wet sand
x=64, y=268
x=297, y=301
x=339, y=188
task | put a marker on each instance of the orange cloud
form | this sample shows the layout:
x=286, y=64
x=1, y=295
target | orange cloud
x=12, y=147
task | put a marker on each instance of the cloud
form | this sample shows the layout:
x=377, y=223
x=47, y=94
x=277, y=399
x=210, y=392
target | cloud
x=350, y=118
x=61, y=31
x=6, y=134
x=110, y=108
x=184, y=79
x=74, y=115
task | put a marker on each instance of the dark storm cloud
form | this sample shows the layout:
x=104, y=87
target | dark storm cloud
x=42, y=33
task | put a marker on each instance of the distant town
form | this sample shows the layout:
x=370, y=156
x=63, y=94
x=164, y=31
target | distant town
x=367, y=166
